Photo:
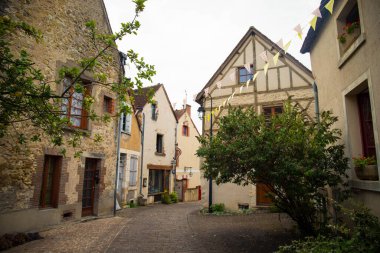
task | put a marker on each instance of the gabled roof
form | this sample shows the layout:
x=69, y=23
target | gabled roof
x=251, y=31
x=311, y=34
x=141, y=97
x=179, y=113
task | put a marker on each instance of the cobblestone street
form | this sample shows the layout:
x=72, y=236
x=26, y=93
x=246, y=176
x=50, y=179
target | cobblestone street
x=168, y=228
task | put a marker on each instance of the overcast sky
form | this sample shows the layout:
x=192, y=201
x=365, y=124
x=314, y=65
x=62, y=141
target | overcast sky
x=187, y=40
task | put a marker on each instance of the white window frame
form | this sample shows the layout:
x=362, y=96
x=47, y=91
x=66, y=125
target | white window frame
x=133, y=168
x=126, y=123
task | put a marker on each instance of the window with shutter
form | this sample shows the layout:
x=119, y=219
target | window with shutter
x=133, y=171
x=50, y=181
x=126, y=123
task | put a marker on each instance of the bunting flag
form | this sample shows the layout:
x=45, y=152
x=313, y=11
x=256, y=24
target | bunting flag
x=329, y=6
x=208, y=116
x=219, y=107
x=219, y=84
x=194, y=97
x=174, y=104
x=248, y=82
x=255, y=75
x=232, y=76
x=298, y=29
x=241, y=88
x=286, y=47
x=317, y=13
x=275, y=58
x=313, y=22
x=206, y=92
x=233, y=94
x=264, y=56
x=280, y=43
x=247, y=66
x=266, y=66
x=224, y=103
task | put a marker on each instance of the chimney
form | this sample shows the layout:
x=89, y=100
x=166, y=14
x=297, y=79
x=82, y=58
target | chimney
x=188, y=109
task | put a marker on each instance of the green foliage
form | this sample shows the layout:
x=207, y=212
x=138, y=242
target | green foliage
x=218, y=208
x=165, y=198
x=295, y=157
x=363, y=161
x=363, y=236
x=174, y=197
x=26, y=95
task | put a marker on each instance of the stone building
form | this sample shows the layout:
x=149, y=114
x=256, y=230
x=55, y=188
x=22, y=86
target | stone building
x=187, y=166
x=159, y=125
x=289, y=78
x=347, y=72
x=39, y=187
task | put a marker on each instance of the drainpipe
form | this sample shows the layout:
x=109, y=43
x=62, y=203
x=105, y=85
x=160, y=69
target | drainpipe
x=316, y=101
x=117, y=165
x=142, y=153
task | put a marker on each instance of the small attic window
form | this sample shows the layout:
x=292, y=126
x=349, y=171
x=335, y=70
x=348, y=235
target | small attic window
x=244, y=75
x=349, y=26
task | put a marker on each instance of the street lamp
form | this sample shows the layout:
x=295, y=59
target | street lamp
x=201, y=114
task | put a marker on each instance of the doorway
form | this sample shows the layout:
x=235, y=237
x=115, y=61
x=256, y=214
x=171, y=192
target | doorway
x=90, y=183
x=261, y=194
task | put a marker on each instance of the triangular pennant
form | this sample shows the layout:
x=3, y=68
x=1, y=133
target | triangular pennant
x=286, y=47
x=219, y=84
x=194, y=97
x=228, y=99
x=264, y=56
x=233, y=94
x=219, y=107
x=248, y=67
x=247, y=82
x=298, y=29
x=313, y=22
x=241, y=88
x=329, y=6
x=232, y=76
x=255, y=75
x=275, y=58
x=224, y=103
x=317, y=13
x=208, y=116
x=266, y=66
x=280, y=43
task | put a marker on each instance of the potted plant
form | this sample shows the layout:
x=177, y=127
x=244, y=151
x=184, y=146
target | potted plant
x=366, y=168
x=351, y=32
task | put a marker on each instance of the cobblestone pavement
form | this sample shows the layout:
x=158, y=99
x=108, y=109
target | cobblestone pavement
x=168, y=228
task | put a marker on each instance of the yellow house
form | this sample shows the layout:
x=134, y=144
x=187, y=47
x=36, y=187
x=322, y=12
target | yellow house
x=187, y=183
x=347, y=72
x=288, y=78
x=128, y=186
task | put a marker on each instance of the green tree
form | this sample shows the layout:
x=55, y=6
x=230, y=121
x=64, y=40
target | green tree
x=26, y=94
x=294, y=157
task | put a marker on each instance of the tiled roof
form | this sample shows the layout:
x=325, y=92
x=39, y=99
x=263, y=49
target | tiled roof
x=311, y=34
x=141, y=97
x=179, y=113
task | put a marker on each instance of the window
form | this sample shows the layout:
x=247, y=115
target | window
x=366, y=124
x=126, y=123
x=122, y=163
x=185, y=130
x=349, y=26
x=158, y=181
x=72, y=106
x=133, y=171
x=271, y=111
x=244, y=75
x=159, y=144
x=50, y=181
x=154, y=111
x=108, y=105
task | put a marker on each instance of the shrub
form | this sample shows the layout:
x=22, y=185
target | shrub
x=364, y=236
x=165, y=198
x=218, y=208
x=174, y=197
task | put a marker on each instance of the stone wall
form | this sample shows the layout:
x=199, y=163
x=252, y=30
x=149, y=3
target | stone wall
x=64, y=43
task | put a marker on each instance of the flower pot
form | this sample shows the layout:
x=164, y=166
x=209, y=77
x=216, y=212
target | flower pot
x=350, y=39
x=369, y=172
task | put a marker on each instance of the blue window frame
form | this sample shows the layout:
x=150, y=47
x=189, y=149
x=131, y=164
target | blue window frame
x=244, y=75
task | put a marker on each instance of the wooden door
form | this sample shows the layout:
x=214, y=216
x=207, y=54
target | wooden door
x=89, y=184
x=261, y=194
x=179, y=189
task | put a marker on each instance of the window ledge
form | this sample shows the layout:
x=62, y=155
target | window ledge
x=351, y=50
x=160, y=154
x=366, y=185
x=73, y=129
x=127, y=133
